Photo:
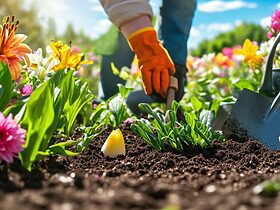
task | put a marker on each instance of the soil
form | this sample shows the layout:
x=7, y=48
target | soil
x=222, y=177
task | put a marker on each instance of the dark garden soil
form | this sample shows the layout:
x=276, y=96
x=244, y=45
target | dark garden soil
x=222, y=177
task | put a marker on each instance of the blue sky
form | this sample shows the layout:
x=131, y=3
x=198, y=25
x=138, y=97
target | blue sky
x=211, y=17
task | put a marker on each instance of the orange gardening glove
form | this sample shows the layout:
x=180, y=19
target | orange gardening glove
x=154, y=61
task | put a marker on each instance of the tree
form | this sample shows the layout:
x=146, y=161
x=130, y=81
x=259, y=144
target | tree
x=29, y=23
x=69, y=35
x=50, y=31
x=231, y=38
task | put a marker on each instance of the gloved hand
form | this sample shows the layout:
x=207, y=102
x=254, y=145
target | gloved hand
x=154, y=61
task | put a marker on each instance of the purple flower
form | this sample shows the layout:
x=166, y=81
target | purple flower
x=11, y=138
x=26, y=90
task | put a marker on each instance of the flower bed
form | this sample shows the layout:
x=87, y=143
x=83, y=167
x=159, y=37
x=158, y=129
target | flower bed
x=60, y=151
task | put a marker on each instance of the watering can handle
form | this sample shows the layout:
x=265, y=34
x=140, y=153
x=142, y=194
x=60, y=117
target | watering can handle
x=266, y=86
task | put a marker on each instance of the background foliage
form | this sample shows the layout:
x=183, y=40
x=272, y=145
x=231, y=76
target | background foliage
x=231, y=38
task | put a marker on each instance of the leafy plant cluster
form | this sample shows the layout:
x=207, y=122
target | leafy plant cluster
x=161, y=134
x=51, y=108
x=112, y=111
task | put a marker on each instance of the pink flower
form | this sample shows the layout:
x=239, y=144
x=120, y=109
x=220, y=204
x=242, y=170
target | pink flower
x=274, y=24
x=129, y=121
x=269, y=35
x=228, y=51
x=94, y=106
x=26, y=90
x=75, y=49
x=11, y=138
x=275, y=16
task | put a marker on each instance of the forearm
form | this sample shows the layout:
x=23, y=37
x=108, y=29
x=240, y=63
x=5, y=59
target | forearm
x=123, y=11
x=135, y=24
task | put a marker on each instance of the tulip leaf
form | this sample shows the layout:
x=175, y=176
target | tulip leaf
x=5, y=86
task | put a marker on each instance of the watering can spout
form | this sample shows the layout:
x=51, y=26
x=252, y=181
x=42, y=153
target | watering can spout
x=268, y=80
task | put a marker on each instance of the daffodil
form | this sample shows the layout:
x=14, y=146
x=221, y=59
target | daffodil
x=40, y=67
x=249, y=51
x=12, y=50
x=68, y=59
x=114, y=144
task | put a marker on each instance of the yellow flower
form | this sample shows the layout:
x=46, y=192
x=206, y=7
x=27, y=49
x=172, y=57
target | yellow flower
x=114, y=145
x=66, y=57
x=12, y=50
x=249, y=51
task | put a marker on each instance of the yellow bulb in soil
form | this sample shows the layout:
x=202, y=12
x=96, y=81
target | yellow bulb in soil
x=114, y=144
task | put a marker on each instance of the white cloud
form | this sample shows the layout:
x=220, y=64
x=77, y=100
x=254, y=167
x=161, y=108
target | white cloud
x=221, y=27
x=221, y=6
x=101, y=27
x=238, y=22
x=195, y=32
x=278, y=5
x=56, y=9
x=265, y=21
x=48, y=7
x=204, y=31
x=96, y=6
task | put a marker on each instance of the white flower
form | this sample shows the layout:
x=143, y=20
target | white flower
x=41, y=67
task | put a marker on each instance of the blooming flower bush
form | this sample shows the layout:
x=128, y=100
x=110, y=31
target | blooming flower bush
x=222, y=75
x=41, y=92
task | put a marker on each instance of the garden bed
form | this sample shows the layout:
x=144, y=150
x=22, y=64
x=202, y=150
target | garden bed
x=222, y=176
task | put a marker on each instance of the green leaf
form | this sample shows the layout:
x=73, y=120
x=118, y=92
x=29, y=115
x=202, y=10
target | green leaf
x=207, y=118
x=196, y=103
x=114, y=69
x=38, y=117
x=72, y=110
x=159, y=119
x=5, y=86
x=61, y=151
x=203, y=132
x=124, y=91
x=150, y=138
x=60, y=148
x=242, y=83
x=215, y=105
x=117, y=106
x=85, y=141
x=64, y=84
x=15, y=109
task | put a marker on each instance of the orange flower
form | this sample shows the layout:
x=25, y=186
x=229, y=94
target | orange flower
x=12, y=50
x=222, y=61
